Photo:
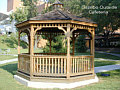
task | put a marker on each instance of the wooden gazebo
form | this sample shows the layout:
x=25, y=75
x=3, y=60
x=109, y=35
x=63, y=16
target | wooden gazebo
x=56, y=67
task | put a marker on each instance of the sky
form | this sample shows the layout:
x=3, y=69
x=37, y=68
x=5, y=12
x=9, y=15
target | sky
x=3, y=5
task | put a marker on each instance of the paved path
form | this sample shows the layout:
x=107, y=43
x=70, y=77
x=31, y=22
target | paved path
x=109, y=53
x=7, y=61
x=97, y=69
x=107, y=68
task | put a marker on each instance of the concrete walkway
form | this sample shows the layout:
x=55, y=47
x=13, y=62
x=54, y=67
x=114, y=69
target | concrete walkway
x=97, y=69
x=7, y=61
x=109, y=53
x=107, y=68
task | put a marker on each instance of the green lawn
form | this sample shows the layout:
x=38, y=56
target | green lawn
x=98, y=62
x=101, y=55
x=6, y=57
x=7, y=82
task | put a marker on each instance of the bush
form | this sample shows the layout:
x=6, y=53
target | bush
x=56, y=46
x=80, y=44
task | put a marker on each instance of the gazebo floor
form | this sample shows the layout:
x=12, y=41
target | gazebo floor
x=56, y=79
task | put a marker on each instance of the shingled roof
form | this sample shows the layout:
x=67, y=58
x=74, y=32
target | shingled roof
x=3, y=16
x=60, y=15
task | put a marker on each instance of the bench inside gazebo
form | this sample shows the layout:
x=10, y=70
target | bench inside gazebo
x=56, y=67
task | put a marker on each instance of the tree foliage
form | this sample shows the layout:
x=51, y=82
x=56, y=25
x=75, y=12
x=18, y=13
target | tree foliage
x=24, y=13
x=80, y=44
x=20, y=15
x=57, y=46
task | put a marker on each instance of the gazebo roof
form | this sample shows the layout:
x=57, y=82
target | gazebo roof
x=61, y=15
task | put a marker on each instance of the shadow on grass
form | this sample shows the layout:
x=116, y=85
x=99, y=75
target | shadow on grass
x=106, y=56
x=11, y=68
x=103, y=63
x=112, y=73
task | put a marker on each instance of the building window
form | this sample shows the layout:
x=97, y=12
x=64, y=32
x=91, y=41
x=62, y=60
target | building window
x=19, y=4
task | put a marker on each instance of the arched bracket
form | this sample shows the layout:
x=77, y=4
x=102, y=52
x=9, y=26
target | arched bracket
x=61, y=28
x=73, y=30
x=39, y=28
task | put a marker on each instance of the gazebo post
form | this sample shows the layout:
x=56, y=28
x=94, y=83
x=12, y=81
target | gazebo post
x=31, y=50
x=93, y=51
x=68, y=51
x=73, y=44
x=50, y=43
x=19, y=42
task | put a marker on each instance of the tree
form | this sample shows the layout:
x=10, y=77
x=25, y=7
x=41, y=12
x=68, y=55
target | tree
x=20, y=15
x=80, y=44
x=56, y=46
x=31, y=5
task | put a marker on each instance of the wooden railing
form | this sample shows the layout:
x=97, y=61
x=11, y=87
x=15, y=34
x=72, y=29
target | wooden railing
x=49, y=65
x=81, y=65
x=50, y=54
x=55, y=65
x=24, y=63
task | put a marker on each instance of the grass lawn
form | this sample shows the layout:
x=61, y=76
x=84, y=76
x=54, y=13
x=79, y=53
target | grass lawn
x=6, y=57
x=101, y=55
x=15, y=51
x=98, y=62
x=7, y=82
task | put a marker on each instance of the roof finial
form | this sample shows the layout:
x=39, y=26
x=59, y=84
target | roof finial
x=58, y=5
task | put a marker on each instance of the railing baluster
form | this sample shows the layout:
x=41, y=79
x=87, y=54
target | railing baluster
x=37, y=64
x=43, y=64
x=46, y=65
x=64, y=65
x=49, y=65
x=55, y=65
x=40, y=65
x=58, y=65
x=88, y=64
x=73, y=64
x=77, y=64
x=82, y=64
x=52, y=65
x=34, y=64
x=61, y=65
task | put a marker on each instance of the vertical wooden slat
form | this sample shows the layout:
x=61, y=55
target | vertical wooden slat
x=49, y=65
x=82, y=64
x=61, y=65
x=37, y=64
x=77, y=64
x=58, y=65
x=46, y=65
x=88, y=64
x=43, y=65
x=40, y=65
x=34, y=64
x=55, y=65
x=73, y=64
x=64, y=65
x=52, y=65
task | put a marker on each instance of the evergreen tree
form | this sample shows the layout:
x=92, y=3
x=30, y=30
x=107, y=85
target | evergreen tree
x=57, y=46
x=80, y=44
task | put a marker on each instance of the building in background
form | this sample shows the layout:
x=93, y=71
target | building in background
x=12, y=5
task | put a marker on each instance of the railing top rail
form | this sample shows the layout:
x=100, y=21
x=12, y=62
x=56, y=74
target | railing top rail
x=24, y=54
x=49, y=56
x=82, y=56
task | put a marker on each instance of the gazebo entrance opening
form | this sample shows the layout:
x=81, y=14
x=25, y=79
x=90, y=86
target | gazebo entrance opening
x=56, y=67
